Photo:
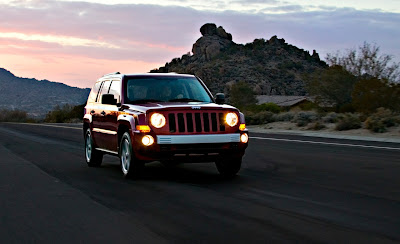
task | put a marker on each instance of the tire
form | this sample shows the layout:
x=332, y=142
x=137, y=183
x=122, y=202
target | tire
x=228, y=167
x=93, y=157
x=130, y=166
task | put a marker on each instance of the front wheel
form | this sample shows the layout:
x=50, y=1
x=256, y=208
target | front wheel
x=93, y=157
x=130, y=166
x=229, y=167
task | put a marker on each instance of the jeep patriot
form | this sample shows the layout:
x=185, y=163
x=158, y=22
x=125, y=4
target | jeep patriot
x=171, y=118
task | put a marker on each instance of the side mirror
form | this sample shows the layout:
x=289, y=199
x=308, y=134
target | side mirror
x=220, y=98
x=108, y=99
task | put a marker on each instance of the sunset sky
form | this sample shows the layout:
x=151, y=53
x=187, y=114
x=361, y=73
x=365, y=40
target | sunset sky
x=75, y=42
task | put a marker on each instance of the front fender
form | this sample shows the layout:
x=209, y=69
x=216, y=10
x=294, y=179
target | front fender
x=127, y=119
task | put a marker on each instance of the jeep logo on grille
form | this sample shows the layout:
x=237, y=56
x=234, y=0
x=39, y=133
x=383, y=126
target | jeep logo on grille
x=196, y=107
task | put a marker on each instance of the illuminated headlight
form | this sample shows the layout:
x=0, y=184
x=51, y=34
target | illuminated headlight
x=147, y=140
x=231, y=119
x=157, y=120
x=244, y=138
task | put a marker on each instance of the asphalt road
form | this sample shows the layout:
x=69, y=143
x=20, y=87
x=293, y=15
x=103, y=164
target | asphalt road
x=291, y=189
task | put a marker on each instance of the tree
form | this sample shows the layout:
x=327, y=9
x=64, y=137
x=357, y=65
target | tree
x=331, y=86
x=371, y=94
x=242, y=95
x=367, y=61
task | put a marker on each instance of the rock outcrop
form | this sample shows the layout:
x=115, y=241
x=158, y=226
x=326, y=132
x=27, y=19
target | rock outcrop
x=213, y=41
x=271, y=67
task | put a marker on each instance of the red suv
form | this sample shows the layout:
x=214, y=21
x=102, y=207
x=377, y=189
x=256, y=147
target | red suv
x=169, y=118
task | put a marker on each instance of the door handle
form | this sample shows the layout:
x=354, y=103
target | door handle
x=103, y=113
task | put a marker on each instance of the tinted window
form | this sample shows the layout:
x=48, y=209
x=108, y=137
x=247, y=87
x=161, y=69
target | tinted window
x=93, y=92
x=165, y=89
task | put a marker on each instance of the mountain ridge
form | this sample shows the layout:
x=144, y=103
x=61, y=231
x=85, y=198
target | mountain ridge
x=37, y=97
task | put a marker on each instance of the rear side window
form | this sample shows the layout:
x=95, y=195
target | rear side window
x=93, y=92
x=115, y=89
x=104, y=90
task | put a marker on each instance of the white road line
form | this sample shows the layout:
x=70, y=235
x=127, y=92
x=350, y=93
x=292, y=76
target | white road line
x=325, y=143
x=264, y=138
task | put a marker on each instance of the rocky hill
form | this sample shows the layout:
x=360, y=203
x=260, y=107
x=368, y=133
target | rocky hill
x=36, y=97
x=270, y=67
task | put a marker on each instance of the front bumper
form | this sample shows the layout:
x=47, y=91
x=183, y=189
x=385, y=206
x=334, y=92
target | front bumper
x=198, y=139
x=190, y=147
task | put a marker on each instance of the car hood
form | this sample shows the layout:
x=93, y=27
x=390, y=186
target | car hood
x=177, y=106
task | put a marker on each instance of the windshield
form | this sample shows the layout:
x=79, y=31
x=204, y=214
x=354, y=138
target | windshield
x=165, y=89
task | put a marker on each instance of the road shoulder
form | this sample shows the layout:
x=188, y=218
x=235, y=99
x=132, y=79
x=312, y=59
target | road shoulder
x=324, y=134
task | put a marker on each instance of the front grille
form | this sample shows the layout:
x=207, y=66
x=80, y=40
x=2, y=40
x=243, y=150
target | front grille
x=196, y=122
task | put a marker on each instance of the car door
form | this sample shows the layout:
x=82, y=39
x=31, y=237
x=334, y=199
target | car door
x=108, y=123
x=98, y=117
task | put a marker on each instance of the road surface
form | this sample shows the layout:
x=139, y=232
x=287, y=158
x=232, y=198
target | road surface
x=290, y=189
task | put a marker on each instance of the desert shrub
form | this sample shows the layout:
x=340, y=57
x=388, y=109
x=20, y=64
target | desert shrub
x=331, y=117
x=375, y=125
x=305, y=117
x=348, y=122
x=318, y=125
x=272, y=107
x=307, y=106
x=259, y=118
x=65, y=114
x=13, y=116
x=286, y=116
x=381, y=120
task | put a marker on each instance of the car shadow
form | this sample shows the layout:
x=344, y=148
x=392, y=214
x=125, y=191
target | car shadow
x=187, y=173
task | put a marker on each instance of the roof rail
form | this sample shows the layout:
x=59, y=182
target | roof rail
x=114, y=73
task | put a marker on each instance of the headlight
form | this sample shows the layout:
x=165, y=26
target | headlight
x=157, y=120
x=231, y=119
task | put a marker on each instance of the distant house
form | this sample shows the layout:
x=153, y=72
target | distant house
x=283, y=101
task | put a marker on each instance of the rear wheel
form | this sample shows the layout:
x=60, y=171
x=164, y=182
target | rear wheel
x=93, y=157
x=130, y=166
x=228, y=167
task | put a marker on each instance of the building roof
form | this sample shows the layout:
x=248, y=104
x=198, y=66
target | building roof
x=283, y=101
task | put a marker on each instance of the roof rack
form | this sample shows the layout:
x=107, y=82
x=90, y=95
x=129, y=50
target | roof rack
x=114, y=73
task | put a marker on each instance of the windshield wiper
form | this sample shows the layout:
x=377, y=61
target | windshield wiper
x=145, y=101
x=184, y=100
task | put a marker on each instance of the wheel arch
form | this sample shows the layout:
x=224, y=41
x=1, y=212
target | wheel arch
x=126, y=123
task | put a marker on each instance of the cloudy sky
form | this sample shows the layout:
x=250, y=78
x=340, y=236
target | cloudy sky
x=75, y=42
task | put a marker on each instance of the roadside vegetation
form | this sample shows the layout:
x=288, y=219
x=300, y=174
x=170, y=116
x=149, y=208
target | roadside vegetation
x=359, y=89
x=60, y=114
x=14, y=116
x=65, y=114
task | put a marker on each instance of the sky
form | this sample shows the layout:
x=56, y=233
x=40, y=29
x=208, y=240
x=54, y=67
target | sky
x=76, y=42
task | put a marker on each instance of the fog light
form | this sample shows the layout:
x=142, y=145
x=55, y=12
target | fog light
x=244, y=138
x=147, y=140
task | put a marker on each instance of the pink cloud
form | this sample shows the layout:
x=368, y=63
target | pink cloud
x=72, y=70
